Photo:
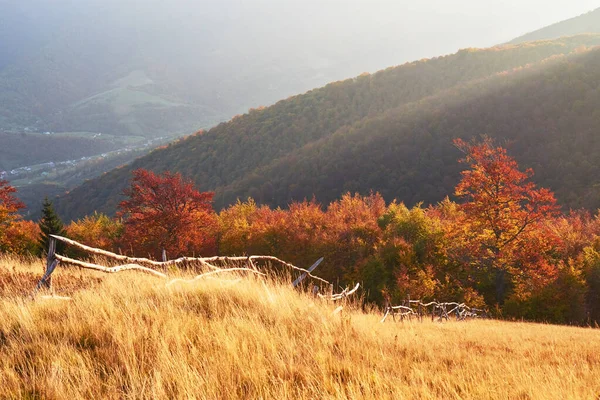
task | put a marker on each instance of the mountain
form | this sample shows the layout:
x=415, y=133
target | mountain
x=547, y=115
x=85, y=79
x=586, y=23
x=392, y=132
x=153, y=68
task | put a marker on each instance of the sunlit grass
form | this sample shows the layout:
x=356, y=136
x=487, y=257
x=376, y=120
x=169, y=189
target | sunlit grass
x=128, y=336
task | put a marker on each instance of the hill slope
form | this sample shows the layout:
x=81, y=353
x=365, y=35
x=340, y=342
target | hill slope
x=129, y=336
x=547, y=114
x=586, y=23
x=289, y=151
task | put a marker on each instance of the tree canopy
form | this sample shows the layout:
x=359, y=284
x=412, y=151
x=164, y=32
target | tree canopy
x=166, y=212
x=50, y=224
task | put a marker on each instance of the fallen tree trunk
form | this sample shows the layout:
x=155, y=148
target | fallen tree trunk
x=345, y=293
x=109, y=270
x=202, y=260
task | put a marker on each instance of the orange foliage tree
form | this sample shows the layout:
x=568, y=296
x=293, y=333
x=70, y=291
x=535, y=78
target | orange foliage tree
x=21, y=237
x=167, y=212
x=353, y=233
x=9, y=208
x=248, y=229
x=344, y=234
x=96, y=230
x=9, y=203
x=503, y=210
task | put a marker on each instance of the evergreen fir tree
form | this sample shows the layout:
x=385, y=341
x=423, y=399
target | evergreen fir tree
x=50, y=224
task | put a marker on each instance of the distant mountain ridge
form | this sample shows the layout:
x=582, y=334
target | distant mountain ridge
x=361, y=134
x=153, y=68
x=586, y=23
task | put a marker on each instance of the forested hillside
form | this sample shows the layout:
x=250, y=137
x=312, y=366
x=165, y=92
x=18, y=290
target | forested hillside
x=586, y=23
x=289, y=151
x=548, y=114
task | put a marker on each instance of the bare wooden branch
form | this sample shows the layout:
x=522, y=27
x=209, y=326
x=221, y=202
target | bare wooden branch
x=108, y=270
x=387, y=312
x=401, y=308
x=109, y=254
x=45, y=281
x=304, y=274
x=439, y=311
x=275, y=259
x=203, y=260
x=345, y=293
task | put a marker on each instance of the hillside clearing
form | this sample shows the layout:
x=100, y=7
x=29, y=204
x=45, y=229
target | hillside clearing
x=129, y=336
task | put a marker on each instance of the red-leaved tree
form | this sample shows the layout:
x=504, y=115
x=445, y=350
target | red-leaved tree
x=9, y=207
x=167, y=212
x=503, y=209
x=9, y=203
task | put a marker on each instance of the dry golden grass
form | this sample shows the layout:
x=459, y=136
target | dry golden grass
x=127, y=336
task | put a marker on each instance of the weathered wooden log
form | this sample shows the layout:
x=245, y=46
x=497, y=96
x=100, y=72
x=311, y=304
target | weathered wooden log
x=203, y=260
x=109, y=254
x=46, y=279
x=439, y=310
x=401, y=308
x=345, y=293
x=387, y=312
x=304, y=274
x=51, y=264
x=101, y=268
x=275, y=259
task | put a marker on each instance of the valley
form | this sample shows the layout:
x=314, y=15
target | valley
x=169, y=169
x=57, y=174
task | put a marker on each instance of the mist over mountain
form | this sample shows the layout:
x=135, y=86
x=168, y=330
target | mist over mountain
x=154, y=68
x=108, y=80
x=392, y=132
x=585, y=23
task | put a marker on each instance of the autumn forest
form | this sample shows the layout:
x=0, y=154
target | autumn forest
x=299, y=199
x=504, y=245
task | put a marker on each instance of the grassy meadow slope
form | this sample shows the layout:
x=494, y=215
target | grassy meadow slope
x=240, y=149
x=586, y=23
x=129, y=336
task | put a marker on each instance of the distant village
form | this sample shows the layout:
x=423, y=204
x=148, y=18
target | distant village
x=47, y=169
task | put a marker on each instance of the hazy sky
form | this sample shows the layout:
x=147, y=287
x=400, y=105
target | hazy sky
x=410, y=29
x=246, y=45
x=486, y=22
